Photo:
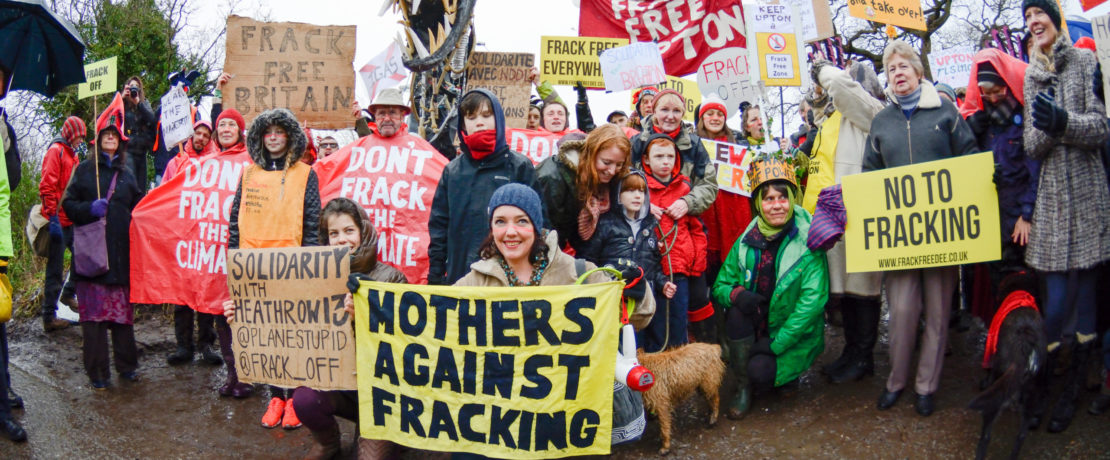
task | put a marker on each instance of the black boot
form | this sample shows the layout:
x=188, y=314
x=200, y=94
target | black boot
x=206, y=339
x=12, y=430
x=866, y=331
x=847, y=355
x=183, y=331
x=738, y=353
x=1064, y=410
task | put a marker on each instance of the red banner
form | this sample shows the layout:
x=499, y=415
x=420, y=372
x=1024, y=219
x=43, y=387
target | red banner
x=394, y=179
x=685, y=31
x=535, y=144
x=179, y=235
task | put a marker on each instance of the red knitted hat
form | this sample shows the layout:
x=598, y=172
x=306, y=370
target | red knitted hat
x=74, y=127
x=234, y=115
x=712, y=105
x=681, y=98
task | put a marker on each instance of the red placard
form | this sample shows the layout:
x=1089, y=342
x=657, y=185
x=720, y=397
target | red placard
x=179, y=234
x=685, y=31
x=394, y=179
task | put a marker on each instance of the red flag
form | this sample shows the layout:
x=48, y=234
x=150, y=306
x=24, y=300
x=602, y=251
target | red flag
x=179, y=234
x=394, y=179
x=113, y=115
x=685, y=31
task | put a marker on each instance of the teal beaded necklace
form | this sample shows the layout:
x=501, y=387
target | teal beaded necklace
x=539, y=265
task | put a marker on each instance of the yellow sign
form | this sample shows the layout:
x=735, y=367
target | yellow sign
x=689, y=91
x=774, y=26
x=100, y=78
x=568, y=60
x=930, y=214
x=732, y=162
x=902, y=13
x=504, y=372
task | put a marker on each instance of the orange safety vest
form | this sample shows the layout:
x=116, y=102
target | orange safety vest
x=271, y=207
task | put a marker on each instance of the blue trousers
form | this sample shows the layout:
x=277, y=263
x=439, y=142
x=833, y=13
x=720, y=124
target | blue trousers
x=1068, y=293
x=668, y=327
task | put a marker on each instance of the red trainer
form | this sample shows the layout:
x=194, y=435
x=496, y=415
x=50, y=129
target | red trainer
x=273, y=412
x=290, y=421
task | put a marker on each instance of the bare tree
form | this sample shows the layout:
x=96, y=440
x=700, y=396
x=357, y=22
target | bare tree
x=866, y=39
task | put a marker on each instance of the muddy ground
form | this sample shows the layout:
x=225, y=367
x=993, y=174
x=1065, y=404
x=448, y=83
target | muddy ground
x=174, y=412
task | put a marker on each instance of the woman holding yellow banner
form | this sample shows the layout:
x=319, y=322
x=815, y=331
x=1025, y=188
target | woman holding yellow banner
x=772, y=343
x=917, y=127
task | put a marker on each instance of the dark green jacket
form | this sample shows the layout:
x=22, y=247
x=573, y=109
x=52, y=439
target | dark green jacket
x=795, y=319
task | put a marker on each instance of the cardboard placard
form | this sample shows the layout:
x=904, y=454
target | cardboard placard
x=632, y=66
x=305, y=68
x=775, y=29
x=726, y=75
x=100, y=78
x=506, y=76
x=568, y=60
x=176, y=116
x=816, y=19
x=931, y=214
x=902, y=13
x=952, y=66
x=1100, y=27
x=290, y=329
x=508, y=372
x=386, y=70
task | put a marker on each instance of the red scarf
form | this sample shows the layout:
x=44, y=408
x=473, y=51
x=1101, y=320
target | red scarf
x=481, y=143
x=1014, y=301
x=672, y=134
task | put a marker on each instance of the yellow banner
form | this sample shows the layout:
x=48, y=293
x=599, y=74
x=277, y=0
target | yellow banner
x=100, y=78
x=902, y=13
x=732, y=162
x=504, y=372
x=930, y=214
x=567, y=60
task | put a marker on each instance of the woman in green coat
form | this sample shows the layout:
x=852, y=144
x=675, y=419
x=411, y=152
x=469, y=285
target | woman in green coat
x=773, y=288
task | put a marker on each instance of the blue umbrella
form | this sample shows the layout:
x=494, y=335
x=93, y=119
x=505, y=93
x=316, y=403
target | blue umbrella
x=42, y=50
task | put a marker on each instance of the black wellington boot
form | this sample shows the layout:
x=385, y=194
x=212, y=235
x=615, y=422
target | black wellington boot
x=866, y=331
x=1064, y=411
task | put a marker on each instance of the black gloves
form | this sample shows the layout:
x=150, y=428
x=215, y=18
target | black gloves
x=353, y=281
x=633, y=275
x=581, y=92
x=747, y=301
x=762, y=347
x=979, y=122
x=1048, y=116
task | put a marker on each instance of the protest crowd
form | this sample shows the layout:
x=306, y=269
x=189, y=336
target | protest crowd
x=762, y=268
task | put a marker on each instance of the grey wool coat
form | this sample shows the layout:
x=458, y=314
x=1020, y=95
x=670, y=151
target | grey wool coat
x=1072, y=210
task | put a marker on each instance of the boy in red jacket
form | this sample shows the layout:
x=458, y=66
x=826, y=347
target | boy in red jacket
x=682, y=243
x=57, y=168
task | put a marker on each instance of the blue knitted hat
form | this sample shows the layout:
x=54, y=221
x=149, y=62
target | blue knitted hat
x=522, y=197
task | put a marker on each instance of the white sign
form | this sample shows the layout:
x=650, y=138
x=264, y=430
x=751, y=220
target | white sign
x=952, y=66
x=1101, y=28
x=632, y=66
x=383, y=71
x=177, y=118
x=725, y=73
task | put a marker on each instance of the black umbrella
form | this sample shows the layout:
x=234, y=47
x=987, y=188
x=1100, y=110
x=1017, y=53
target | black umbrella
x=43, y=51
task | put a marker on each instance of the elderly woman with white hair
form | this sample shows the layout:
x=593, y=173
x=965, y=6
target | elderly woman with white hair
x=918, y=126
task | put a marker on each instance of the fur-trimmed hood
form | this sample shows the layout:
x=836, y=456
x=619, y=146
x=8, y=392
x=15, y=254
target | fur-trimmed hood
x=570, y=152
x=297, y=142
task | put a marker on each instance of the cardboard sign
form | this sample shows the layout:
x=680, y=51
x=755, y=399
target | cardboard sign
x=179, y=234
x=930, y=214
x=568, y=60
x=632, y=66
x=774, y=27
x=1100, y=27
x=689, y=91
x=386, y=70
x=952, y=66
x=506, y=76
x=177, y=117
x=816, y=19
x=725, y=74
x=685, y=31
x=732, y=162
x=902, y=13
x=305, y=68
x=506, y=372
x=290, y=329
x=394, y=180
x=100, y=78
